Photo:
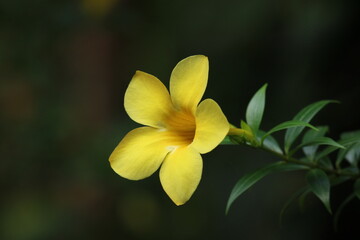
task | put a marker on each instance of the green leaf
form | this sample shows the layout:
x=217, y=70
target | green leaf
x=322, y=141
x=339, y=180
x=357, y=188
x=286, y=125
x=352, y=153
x=318, y=141
x=305, y=115
x=251, y=138
x=353, y=170
x=250, y=179
x=326, y=163
x=320, y=185
x=348, y=135
x=310, y=134
x=269, y=143
x=344, y=142
x=255, y=109
x=334, y=182
x=310, y=151
x=326, y=152
x=340, y=157
x=245, y=126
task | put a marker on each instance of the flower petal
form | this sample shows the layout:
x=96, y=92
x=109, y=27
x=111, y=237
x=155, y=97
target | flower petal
x=147, y=101
x=180, y=174
x=188, y=82
x=140, y=153
x=211, y=126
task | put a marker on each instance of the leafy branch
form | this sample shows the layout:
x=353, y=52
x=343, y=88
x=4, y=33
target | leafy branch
x=323, y=171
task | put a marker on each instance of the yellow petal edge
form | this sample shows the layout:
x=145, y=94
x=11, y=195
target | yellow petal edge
x=180, y=174
x=147, y=101
x=188, y=82
x=139, y=154
x=211, y=126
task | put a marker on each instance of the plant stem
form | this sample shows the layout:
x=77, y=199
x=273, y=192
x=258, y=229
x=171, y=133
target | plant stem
x=253, y=143
x=337, y=172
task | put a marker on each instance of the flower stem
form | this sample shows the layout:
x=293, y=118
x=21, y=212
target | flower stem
x=250, y=141
x=337, y=172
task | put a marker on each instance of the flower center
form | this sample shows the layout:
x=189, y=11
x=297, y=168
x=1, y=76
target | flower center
x=181, y=127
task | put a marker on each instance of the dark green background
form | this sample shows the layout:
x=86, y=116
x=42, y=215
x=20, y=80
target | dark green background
x=64, y=68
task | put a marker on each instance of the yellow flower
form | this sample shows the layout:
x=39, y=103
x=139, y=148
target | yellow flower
x=178, y=128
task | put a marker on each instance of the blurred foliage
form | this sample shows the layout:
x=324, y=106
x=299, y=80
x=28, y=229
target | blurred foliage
x=64, y=67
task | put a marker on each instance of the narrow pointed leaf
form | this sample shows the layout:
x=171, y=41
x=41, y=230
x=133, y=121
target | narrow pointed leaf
x=251, y=138
x=245, y=126
x=305, y=115
x=310, y=151
x=341, y=156
x=334, y=182
x=339, y=180
x=270, y=142
x=310, y=134
x=286, y=125
x=344, y=142
x=250, y=179
x=325, y=152
x=255, y=108
x=353, y=155
x=326, y=163
x=352, y=152
x=318, y=141
x=320, y=186
x=347, y=135
x=322, y=141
